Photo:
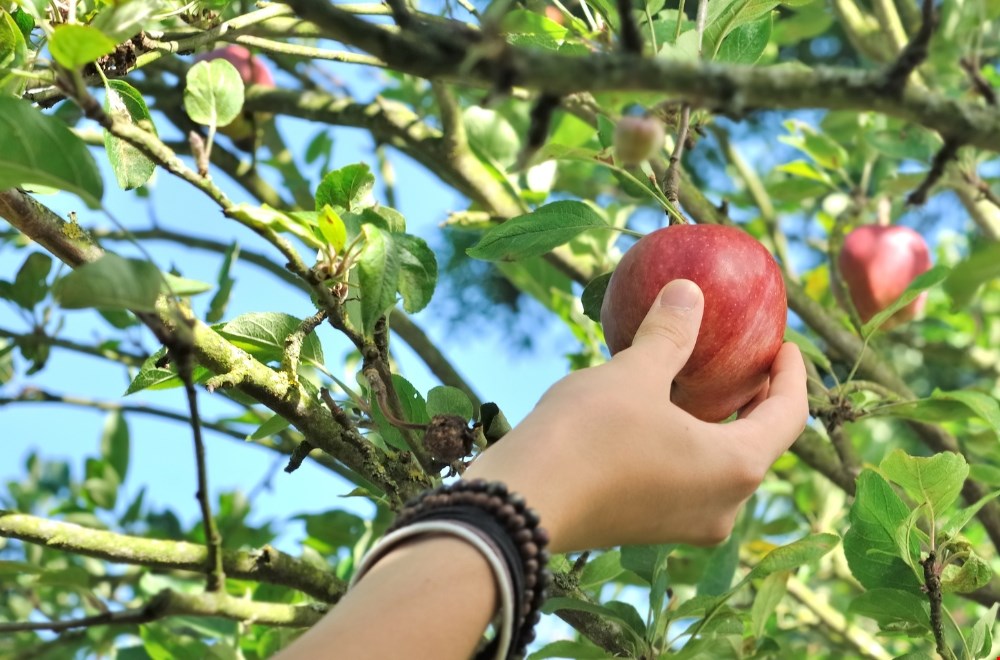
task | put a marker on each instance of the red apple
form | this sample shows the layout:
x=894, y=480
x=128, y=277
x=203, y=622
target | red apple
x=745, y=311
x=253, y=71
x=877, y=263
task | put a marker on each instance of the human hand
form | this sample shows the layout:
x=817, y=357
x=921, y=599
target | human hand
x=607, y=459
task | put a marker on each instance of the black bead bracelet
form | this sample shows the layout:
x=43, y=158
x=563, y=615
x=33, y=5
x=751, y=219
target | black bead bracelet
x=505, y=527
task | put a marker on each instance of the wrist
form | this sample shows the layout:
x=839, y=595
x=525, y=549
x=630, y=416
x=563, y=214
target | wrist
x=531, y=462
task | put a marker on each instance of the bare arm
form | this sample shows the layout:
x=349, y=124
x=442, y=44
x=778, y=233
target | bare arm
x=604, y=459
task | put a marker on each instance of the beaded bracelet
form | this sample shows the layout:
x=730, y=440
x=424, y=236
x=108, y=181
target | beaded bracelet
x=509, y=538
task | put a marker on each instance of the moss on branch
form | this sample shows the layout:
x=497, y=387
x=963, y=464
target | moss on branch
x=464, y=54
x=263, y=565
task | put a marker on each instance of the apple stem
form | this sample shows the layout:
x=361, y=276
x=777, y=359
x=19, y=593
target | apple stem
x=883, y=212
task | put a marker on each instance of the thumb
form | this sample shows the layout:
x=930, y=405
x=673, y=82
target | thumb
x=667, y=335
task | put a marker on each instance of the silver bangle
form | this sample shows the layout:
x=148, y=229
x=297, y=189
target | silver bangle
x=474, y=537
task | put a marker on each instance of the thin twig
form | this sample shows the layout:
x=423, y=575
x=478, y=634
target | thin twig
x=672, y=178
x=915, y=52
x=932, y=584
x=631, y=40
x=294, y=341
x=946, y=154
x=538, y=128
x=182, y=356
x=982, y=86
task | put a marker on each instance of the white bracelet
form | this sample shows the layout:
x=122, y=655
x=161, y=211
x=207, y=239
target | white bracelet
x=471, y=535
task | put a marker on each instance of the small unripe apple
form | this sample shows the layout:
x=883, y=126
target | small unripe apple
x=637, y=139
x=745, y=311
x=877, y=263
x=254, y=71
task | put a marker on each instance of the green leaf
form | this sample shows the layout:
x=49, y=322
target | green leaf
x=332, y=227
x=592, y=297
x=643, y=560
x=213, y=93
x=418, y=272
x=348, y=188
x=907, y=142
x=602, y=568
x=870, y=543
x=808, y=348
x=747, y=43
x=769, y=595
x=111, y=282
x=300, y=224
x=495, y=424
x=891, y=607
x=13, y=54
x=41, y=150
x=274, y=425
x=115, y=444
x=973, y=573
x=414, y=410
x=933, y=277
x=604, y=611
x=491, y=134
x=331, y=530
x=131, y=167
x=960, y=518
x=720, y=568
x=183, y=287
x=946, y=406
x=122, y=20
x=724, y=17
x=445, y=400
x=795, y=554
x=968, y=275
x=29, y=286
x=162, y=643
x=263, y=334
x=934, y=480
x=378, y=274
x=152, y=377
x=536, y=233
x=981, y=636
x=76, y=45
x=101, y=484
x=805, y=170
x=220, y=301
x=565, y=648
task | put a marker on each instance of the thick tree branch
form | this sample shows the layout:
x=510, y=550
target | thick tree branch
x=257, y=380
x=169, y=603
x=263, y=565
x=435, y=52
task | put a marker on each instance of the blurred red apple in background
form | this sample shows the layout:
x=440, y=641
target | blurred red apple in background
x=877, y=263
x=745, y=311
x=253, y=71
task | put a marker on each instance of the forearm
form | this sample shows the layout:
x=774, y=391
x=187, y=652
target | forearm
x=435, y=596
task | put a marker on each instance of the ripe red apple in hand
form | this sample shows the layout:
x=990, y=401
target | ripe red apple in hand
x=877, y=263
x=253, y=71
x=744, y=319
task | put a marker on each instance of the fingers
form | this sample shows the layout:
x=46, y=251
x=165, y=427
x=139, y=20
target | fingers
x=778, y=420
x=667, y=335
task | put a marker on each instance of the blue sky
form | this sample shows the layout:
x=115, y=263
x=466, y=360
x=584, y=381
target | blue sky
x=162, y=454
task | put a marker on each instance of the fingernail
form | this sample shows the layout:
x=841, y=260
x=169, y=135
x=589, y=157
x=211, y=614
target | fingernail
x=681, y=295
